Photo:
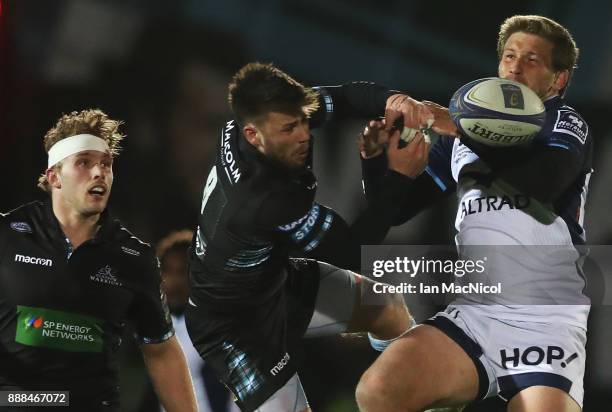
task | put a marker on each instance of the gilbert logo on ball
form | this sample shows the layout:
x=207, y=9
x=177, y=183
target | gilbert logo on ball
x=497, y=112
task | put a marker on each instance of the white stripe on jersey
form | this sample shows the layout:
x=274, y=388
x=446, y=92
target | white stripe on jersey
x=583, y=196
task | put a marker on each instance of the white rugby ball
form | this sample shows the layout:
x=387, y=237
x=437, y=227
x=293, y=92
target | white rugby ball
x=497, y=112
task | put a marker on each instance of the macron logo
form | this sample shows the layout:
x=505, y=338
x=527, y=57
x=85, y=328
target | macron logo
x=281, y=364
x=33, y=260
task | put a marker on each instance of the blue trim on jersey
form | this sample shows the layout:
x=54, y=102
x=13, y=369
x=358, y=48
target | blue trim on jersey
x=248, y=258
x=559, y=145
x=436, y=179
x=439, y=167
x=243, y=374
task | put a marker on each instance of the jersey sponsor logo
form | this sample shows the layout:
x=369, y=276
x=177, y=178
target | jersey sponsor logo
x=569, y=122
x=130, y=251
x=106, y=275
x=33, y=260
x=22, y=227
x=308, y=225
x=227, y=155
x=280, y=365
x=535, y=355
x=56, y=329
x=490, y=203
x=327, y=222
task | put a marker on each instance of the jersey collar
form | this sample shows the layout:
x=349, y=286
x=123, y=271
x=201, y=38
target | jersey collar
x=553, y=102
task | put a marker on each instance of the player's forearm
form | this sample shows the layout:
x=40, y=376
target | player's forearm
x=417, y=194
x=358, y=99
x=373, y=171
x=554, y=168
x=170, y=375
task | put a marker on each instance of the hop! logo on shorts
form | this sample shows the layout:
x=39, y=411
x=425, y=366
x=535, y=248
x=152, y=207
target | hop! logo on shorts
x=34, y=321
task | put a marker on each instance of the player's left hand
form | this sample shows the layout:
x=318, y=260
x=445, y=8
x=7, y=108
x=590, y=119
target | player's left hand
x=443, y=124
x=415, y=114
x=373, y=139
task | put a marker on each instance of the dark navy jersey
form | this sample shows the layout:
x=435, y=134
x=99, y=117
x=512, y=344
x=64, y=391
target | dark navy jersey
x=256, y=213
x=63, y=311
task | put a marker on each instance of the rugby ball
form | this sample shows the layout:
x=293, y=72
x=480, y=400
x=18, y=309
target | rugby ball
x=497, y=112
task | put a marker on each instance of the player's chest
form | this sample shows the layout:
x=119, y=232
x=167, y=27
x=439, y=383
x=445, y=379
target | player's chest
x=89, y=280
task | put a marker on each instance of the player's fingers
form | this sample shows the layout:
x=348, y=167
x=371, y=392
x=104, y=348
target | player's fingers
x=376, y=124
x=414, y=144
x=394, y=138
x=431, y=104
x=425, y=117
x=391, y=115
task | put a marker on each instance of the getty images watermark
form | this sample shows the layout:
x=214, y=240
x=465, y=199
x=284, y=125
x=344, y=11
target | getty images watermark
x=412, y=268
x=491, y=274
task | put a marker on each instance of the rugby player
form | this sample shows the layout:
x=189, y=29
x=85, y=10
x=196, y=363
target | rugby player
x=71, y=276
x=211, y=395
x=532, y=355
x=250, y=302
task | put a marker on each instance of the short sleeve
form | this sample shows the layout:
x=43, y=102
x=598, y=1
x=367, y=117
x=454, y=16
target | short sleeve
x=149, y=312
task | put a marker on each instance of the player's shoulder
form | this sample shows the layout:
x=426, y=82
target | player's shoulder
x=565, y=121
x=21, y=218
x=130, y=244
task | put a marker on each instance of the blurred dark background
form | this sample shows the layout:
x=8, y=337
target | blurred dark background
x=163, y=67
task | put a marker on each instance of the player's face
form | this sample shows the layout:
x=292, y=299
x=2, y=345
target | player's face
x=85, y=181
x=174, y=273
x=527, y=59
x=285, y=138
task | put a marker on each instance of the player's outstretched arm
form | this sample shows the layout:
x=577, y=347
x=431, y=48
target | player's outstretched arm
x=168, y=370
x=363, y=100
x=381, y=160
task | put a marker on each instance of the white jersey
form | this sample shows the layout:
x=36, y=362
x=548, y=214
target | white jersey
x=532, y=250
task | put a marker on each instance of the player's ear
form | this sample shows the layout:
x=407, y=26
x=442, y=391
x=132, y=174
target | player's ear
x=53, y=177
x=561, y=79
x=251, y=133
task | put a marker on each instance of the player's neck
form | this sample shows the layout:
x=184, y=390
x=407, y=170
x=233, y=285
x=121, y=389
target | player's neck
x=77, y=227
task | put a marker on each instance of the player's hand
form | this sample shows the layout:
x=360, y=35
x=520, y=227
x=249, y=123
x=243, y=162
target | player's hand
x=443, y=124
x=410, y=160
x=415, y=114
x=373, y=139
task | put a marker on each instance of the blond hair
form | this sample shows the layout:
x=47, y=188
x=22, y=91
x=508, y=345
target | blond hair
x=90, y=121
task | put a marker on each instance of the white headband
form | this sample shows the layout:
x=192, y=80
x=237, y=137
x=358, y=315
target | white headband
x=75, y=144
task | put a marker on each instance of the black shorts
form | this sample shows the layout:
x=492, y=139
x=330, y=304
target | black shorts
x=250, y=351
